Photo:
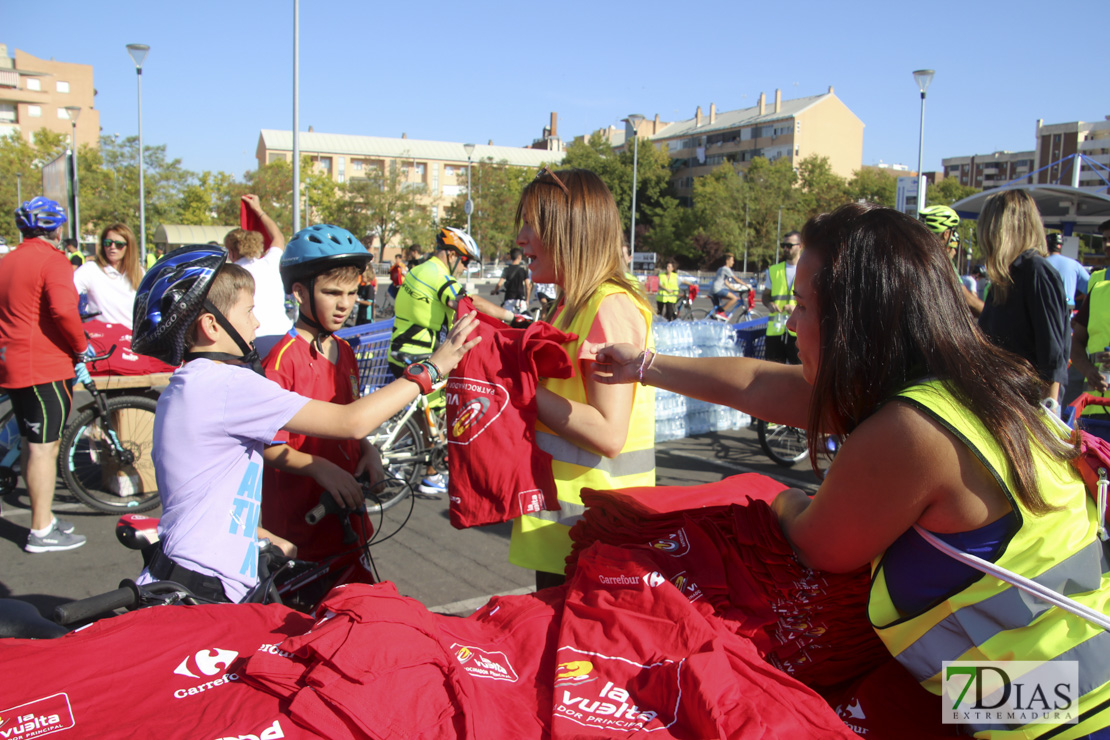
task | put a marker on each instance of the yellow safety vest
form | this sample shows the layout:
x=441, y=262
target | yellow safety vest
x=542, y=541
x=668, y=288
x=1096, y=277
x=992, y=620
x=782, y=293
x=1098, y=328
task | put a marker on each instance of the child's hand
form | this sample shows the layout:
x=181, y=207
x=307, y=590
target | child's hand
x=370, y=463
x=342, y=486
x=617, y=363
x=448, y=354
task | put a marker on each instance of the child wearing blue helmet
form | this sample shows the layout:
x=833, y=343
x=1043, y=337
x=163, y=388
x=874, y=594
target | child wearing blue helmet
x=320, y=268
x=219, y=412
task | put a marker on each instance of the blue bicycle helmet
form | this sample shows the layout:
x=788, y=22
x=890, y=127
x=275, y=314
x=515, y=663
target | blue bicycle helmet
x=39, y=216
x=319, y=248
x=170, y=297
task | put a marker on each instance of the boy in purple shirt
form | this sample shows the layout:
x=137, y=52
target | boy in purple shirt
x=219, y=412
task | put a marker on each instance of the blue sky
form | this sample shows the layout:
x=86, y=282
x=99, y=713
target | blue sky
x=218, y=72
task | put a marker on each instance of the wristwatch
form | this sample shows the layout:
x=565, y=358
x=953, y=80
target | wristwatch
x=419, y=373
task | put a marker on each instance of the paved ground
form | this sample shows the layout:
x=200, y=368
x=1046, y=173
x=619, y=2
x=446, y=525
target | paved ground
x=453, y=571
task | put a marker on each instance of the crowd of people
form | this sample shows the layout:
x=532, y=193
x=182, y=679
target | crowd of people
x=941, y=398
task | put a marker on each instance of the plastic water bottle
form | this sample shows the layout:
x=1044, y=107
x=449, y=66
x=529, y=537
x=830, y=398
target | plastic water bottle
x=1104, y=366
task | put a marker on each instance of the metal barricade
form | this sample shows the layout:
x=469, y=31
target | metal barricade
x=371, y=345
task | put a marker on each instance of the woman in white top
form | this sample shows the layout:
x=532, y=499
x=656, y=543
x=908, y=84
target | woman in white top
x=110, y=280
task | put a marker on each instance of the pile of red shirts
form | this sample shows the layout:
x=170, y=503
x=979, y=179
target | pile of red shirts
x=163, y=672
x=123, y=361
x=730, y=554
x=497, y=471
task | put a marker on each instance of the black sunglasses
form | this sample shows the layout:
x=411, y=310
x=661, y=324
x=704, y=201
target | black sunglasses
x=108, y=243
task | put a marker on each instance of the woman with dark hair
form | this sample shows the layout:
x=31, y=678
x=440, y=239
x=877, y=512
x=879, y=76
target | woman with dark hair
x=599, y=436
x=945, y=437
x=111, y=279
x=1026, y=310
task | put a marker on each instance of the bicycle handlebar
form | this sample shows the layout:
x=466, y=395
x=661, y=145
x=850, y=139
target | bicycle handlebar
x=125, y=597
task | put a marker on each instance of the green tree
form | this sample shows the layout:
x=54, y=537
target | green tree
x=497, y=187
x=389, y=204
x=820, y=190
x=768, y=192
x=719, y=200
x=26, y=159
x=874, y=186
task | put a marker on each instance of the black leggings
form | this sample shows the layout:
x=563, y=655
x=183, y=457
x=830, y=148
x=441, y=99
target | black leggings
x=42, y=410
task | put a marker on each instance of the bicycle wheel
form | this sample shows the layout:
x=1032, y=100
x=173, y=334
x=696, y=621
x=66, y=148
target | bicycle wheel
x=693, y=314
x=383, y=311
x=90, y=466
x=405, y=457
x=9, y=453
x=785, y=445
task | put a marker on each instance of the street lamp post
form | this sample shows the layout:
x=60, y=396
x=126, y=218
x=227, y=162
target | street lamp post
x=19, y=189
x=469, y=207
x=74, y=112
x=922, y=77
x=634, y=120
x=138, y=53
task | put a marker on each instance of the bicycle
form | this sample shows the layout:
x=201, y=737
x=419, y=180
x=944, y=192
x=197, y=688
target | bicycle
x=731, y=317
x=104, y=456
x=684, y=308
x=407, y=447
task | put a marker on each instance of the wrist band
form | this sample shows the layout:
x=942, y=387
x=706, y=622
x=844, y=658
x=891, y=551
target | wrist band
x=437, y=374
x=645, y=364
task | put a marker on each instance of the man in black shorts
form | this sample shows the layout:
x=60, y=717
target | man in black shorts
x=40, y=339
x=514, y=279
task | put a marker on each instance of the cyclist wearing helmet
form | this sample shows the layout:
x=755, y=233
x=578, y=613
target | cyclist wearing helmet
x=40, y=335
x=321, y=268
x=217, y=415
x=423, y=312
x=943, y=221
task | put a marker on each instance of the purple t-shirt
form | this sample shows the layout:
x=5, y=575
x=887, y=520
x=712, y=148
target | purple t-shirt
x=212, y=423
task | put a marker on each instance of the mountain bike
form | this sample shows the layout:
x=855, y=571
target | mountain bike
x=739, y=311
x=785, y=445
x=684, y=308
x=407, y=443
x=104, y=456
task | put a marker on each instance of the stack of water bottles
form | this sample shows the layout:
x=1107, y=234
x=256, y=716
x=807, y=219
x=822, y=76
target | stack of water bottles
x=678, y=416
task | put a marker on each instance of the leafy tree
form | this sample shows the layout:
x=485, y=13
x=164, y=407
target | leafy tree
x=820, y=189
x=874, y=186
x=497, y=187
x=768, y=191
x=719, y=200
x=389, y=204
x=18, y=156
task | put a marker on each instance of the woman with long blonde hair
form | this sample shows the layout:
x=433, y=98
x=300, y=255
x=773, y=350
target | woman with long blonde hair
x=599, y=436
x=1025, y=311
x=112, y=277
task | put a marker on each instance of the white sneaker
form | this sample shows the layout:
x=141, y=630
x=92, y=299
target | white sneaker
x=433, y=486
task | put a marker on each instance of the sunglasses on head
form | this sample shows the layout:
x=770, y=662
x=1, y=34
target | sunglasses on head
x=109, y=243
x=554, y=177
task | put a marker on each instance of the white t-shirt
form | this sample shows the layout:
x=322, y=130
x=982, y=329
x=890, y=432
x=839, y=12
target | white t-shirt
x=109, y=292
x=211, y=425
x=269, y=294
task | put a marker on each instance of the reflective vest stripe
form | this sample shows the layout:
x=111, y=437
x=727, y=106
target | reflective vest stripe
x=633, y=462
x=567, y=514
x=959, y=633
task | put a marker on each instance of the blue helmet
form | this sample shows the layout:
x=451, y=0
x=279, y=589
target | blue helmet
x=170, y=298
x=317, y=249
x=39, y=216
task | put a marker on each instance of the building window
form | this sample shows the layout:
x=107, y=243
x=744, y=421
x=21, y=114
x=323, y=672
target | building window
x=34, y=111
x=62, y=86
x=277, y=156
x=435, y=180
x=7, y=112
x=63, y=114
x=420, y=171
x=342, y=169
x=357, y=164
x=325, y=164
x=34, y=83
x=435, y=214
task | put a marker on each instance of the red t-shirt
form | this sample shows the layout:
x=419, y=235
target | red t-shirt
x=40, y=327
x=294, y=364
x=397, y=274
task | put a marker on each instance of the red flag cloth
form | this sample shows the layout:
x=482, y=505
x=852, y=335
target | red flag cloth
x=249, y=221
x=161, y=672
x=497, y=472
x=122, y=361
x=810, y=624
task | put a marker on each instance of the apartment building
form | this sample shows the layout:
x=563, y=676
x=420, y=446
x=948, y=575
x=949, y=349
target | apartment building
x=986, y=171
x=440, y=166
x=34, y=94
x=795, y=129
x=1058, y=141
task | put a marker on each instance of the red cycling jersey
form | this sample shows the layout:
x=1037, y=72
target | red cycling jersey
x=40, y=327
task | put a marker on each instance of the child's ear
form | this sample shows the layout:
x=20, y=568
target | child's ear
x=208, y=329
x=300, y=294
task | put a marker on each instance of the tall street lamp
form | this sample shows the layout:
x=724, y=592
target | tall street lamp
x=19, y=189
x=634, y=120
x=74, y=112
x=138, y=53
x=469, y=207
x=922, y=77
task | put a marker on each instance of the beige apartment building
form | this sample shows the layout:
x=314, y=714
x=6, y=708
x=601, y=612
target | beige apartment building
x=440, y=166
x=817, y=124
x=986, y=171
x=1057, y=141
x=34, y=94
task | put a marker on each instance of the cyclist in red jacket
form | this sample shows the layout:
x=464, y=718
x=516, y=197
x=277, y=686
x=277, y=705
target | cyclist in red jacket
x=40, y=337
